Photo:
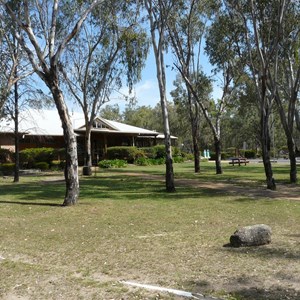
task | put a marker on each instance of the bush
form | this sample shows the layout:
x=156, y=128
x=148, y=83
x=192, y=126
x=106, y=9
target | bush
x=142, y=161
x=29, y=157
x=57, y=165
x=7, y=168
x=42, y=165
x=114, y=163
x=150, y=152
x=250, y=154
x=178, y=159
x=130, y=154
x=160, y=151
x=187, y=156
x=6, y=156
x=213, y=156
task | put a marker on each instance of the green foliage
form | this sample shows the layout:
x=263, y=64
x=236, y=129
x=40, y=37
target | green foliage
x=143, y=161
x=178, y=159
x=213, y=155
x=130, y=154
x=7, y=168
x=29, y=157
x=57, y=165
x=42, y=165
x=160, y=151
x=250, y=153
x=149, y=152
x=6, y=156
x=114, y=163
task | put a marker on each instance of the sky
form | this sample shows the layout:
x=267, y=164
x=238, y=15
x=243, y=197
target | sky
x=147, y=92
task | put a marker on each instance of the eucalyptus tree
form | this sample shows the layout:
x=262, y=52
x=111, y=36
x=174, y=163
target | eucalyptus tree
x=186, y=29
x=45, y=28
x=111, y=112
x=110, y=46
x=259, y=28
x=285, y=78
x=12, y=63
x=187, y=106
x=158, y=12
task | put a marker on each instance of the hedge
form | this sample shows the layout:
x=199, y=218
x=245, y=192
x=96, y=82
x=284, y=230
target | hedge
x=114, y=163
x=29, y=157
x=7, y=168
x=130, y=154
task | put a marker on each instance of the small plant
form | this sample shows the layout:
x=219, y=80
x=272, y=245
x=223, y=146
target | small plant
x=113, y=163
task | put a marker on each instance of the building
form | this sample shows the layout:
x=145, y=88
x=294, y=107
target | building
x=43, y=129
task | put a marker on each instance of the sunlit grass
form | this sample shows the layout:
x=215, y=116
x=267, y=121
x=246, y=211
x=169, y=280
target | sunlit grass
x=128, y=228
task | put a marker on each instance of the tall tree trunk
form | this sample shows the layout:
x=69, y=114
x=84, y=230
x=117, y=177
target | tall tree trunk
x=87, y=168
x=265, y=144
x=217, y=143
x=292, y=157
x=195, y=122
x=170, y=186
x=158, y=49
x=287, y=121
x=71, y=169
x=17, y=138
x=196, y=150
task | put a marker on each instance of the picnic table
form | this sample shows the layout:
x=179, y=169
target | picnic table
x=238, y=161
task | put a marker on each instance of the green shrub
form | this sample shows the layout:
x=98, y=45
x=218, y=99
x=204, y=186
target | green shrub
x=213, y=155
x=57, y=165
x=6, y=156
x=187, y=156
x=150, y=152
x=130, y=154
x=231, y=152
x=160, y=151
x=114, y=163
x=176, y=152
x=7, y=168
x=42, y=165
x=29, y=157
x=142, y=161
x=250, y=154
x=178, y=159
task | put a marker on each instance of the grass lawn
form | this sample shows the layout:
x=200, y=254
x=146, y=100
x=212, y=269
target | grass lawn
x=127, y=228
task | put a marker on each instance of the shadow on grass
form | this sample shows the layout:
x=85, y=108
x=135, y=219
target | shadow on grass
x=113, y=188
x=276, y=293
x=31, y=203
x=266, y=252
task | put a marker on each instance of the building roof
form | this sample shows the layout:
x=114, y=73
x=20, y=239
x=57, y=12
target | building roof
x=47, y=122
x=104, y=125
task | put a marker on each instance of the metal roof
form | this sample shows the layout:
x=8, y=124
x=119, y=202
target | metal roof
x=47, y=122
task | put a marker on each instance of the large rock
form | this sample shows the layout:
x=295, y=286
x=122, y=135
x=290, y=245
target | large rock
x=255, y=235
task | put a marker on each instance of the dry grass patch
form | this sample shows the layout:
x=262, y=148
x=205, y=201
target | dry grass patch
x=127, y=228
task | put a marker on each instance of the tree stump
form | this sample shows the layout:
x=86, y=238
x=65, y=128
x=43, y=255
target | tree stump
x=254, y=235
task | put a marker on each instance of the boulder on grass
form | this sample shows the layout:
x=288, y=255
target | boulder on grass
x=254, y=235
